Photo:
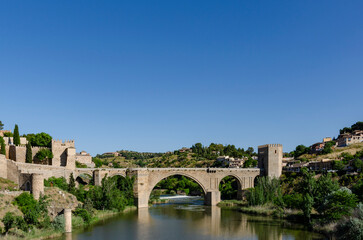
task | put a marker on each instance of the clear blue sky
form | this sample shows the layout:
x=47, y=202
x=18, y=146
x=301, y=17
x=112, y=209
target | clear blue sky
x=160, y=75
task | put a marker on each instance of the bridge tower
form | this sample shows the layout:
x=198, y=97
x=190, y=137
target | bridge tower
x=270, y=159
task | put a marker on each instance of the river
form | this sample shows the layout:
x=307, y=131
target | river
x=187, y=219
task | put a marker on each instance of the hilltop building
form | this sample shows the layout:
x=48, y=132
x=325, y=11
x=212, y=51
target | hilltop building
x=231, y=162
x=346, y=139
x=85, y=158
x=64, y=153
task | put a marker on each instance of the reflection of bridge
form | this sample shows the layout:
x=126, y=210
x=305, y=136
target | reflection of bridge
x=208, y=178
x=30, y=176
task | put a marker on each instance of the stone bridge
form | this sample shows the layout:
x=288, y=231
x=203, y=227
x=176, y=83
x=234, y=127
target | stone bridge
x=30, y=177
x=207, y=178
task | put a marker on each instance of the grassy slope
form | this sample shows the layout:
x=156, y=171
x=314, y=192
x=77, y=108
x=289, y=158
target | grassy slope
x=352, y=149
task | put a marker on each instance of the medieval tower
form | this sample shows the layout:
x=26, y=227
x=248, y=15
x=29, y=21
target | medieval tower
x=270, y=159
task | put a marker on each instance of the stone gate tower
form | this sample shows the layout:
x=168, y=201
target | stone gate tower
x=270, y=159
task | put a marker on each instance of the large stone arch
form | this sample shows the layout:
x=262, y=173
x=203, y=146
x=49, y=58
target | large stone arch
x=158, y=178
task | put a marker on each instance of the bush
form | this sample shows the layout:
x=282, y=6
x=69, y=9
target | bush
x=56, y=182
x=97, y=161
x=80, y=165
x=351, y=228
x=84, y=214
x=35, y=212
x=9, y=221
x=44, y=155
x=58, y=223
x=293, y=201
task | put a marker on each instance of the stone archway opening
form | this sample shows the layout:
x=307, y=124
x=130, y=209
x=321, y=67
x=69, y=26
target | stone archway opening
x=230, y=188
x=177, y=189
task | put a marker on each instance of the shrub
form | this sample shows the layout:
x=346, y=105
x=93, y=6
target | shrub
x=97, y=161
x=43, y=155
x=9, y=221
x=56, y=182
x=351, y=228
x=84, y=214
x=58, y=223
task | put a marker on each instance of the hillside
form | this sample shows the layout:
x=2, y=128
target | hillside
x=195, y=157
x=335, y=154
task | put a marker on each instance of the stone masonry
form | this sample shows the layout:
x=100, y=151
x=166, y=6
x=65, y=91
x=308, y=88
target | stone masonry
x=270, y=159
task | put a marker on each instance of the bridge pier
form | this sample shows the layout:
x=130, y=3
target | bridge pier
x=212, y=198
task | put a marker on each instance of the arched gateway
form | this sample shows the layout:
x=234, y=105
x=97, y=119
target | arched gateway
x=208, y=178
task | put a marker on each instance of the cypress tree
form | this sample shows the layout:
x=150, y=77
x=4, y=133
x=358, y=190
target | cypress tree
x=72, y=184
x=2, y=146
x=29, y=158
x=16, y=135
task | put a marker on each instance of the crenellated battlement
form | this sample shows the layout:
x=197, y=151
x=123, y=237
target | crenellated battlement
x=59, y=141
x=270, y=145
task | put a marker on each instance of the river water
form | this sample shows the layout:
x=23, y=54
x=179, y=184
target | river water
x=188, y=219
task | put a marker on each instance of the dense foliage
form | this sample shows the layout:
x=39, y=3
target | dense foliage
x=177, y=183
x=307, y=193
x=40, y=139
x=355, y=126
x=228, y=188
x=44, y=155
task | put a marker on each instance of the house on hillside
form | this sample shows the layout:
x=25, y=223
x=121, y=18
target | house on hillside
x=346, y=139
x=317, y=147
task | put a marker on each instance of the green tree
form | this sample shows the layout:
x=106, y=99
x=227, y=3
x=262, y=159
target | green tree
x=338, y=165
x=1, y=126
x=44, y=155
x=357, y=189
x=307, y=188
x=40, y=139
x=339, y=203
x=324, y=187
x=357, y=126
x=29, y=154
x=2, y=146
x=16, y=135
x=328, y=147
x=300, y=150
x=72, y=184
x=97, y=161
x=358, y=164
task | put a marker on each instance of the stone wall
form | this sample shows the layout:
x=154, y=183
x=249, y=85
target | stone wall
x=85, y=159
x=17, y=153
x=59, y=150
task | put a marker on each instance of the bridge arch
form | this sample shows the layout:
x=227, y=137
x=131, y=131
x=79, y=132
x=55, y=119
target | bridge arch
x=161, y=177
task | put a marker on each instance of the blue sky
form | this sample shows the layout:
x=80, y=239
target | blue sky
x=160, y=75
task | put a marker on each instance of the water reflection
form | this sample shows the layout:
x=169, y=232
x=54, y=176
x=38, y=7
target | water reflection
x=192, y=222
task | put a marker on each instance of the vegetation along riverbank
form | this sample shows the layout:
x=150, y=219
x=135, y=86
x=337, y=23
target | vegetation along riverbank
x=24, y=217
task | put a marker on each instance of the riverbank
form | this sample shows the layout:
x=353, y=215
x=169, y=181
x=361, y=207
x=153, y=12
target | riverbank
x=77, y=225
x=268, y=210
